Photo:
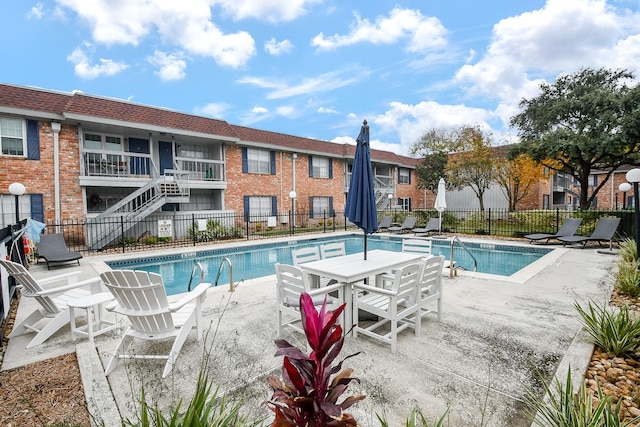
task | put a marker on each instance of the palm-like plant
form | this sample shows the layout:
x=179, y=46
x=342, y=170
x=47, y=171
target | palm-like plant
x=308, y=395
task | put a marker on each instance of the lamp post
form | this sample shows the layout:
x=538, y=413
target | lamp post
x=624, y=187
x=292, y=196
x=633, y=176
x=17, y=189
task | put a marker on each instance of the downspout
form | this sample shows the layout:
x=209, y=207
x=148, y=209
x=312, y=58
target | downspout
x=55, y=127
x=294, y=156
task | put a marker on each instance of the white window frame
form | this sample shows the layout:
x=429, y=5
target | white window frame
x=320, y=167
x=259, y=208
x=320, y=206
x=403, y=176
x=404, y=202
x=6, y=135
x=106, y=149
x=258, y=161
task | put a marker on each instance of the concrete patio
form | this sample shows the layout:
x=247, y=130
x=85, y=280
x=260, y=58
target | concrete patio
x=494, y=337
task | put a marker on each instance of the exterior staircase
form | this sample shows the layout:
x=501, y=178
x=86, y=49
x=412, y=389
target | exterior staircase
x=110, y=224
x=382, y=191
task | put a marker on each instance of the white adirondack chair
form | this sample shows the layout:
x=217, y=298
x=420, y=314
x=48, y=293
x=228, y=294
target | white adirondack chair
x=52, y=300
x=142, y=298
x=395, y=305
x=305, y=254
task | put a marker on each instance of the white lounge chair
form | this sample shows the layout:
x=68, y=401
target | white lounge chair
x=52, y=300
x=291, y=282
x=394, y=306
x=142, y=298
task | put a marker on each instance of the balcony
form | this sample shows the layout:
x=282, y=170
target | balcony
x=120, y=165
x=201, y=169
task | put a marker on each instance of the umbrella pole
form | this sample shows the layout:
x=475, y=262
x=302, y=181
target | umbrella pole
x=365, y=246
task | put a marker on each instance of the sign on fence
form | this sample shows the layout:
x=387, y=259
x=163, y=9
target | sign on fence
x=165, y=228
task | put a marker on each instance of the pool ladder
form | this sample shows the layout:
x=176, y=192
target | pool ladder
x=452, y=269
x=198, y=266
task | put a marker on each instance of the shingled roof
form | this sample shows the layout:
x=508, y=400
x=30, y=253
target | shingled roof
x=77, y=105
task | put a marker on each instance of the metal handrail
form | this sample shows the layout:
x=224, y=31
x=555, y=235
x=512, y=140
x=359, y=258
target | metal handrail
x=193, y=270
x=228, y=261
x=451, y=261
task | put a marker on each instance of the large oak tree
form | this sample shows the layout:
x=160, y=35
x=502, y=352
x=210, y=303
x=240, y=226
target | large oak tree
x=583, y=122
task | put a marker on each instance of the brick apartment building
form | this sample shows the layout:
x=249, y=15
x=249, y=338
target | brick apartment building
x=81, y=156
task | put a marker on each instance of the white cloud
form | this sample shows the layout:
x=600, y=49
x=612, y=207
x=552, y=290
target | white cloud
x=563, y=36
x=36, y=12
x=266, y=10
x=410, y=122
x=287, y=111
x=84, y=69
x=259, y=110
x=278, y=48
x=322, y=83
x=213, y=109
x=172, y=66
x=326, y=110
x=422, y=33
x=189, y=28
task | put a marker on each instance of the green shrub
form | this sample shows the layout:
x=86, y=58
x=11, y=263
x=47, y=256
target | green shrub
x=151, y=240
x=566, y=408
x=628, y=278
x=614, y=331
x=416, y=419
x=206, y=409
x=628, y=250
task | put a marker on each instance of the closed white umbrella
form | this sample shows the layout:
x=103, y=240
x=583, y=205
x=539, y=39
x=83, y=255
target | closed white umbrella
x=441, y=202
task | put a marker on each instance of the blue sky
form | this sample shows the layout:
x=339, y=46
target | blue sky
x=318, y=68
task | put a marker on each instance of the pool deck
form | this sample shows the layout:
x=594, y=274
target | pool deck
x=494, y=335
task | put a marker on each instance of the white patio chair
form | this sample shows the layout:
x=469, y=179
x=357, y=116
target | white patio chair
x=142, y=298
x=52, y=300
x=431, y=286
x=394, y=306
x=291, y=283
x=334, y=249
x=305, y=254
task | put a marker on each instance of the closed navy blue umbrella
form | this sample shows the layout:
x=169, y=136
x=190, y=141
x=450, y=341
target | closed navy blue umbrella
x=361, y=201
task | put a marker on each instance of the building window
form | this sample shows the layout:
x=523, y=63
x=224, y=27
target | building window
x=260, y=207
x=107, y=144
x=403, y=176
x=404, y=203
x=321, y=206
x=592, y=181
x=12, y=135
x=258, y=161
x=320, y=167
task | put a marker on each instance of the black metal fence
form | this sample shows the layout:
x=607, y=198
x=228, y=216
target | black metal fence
x=175, y=230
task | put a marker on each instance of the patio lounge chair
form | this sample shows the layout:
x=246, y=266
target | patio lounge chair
x=385, y=223
x=568, y=228
x=53, y=249
x=408, y=224
x=432, y=226
x=604, y=232
x=52, y=301
x=141, y=297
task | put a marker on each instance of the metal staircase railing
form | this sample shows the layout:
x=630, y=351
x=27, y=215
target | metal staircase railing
x=382, y=191
x=132, y=209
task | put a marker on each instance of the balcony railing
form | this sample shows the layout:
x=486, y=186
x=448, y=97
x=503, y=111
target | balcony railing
x=123, y=165
x=201, y=169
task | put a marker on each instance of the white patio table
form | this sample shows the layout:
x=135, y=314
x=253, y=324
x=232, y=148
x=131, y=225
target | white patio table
x=353, y=268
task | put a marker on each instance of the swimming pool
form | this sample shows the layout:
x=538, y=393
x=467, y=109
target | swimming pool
x=257, y=260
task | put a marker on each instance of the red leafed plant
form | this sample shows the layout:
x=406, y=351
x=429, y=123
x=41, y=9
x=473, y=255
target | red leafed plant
x=308, y=396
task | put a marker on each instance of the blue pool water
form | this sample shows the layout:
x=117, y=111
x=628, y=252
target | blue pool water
x=257, y=260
